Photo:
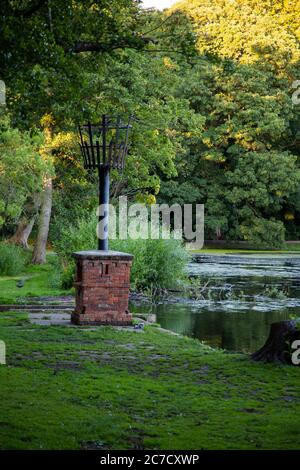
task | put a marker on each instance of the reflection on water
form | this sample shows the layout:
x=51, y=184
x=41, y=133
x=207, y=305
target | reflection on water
x=237, y=325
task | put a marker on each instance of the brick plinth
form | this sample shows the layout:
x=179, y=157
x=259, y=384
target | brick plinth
x=102, y=288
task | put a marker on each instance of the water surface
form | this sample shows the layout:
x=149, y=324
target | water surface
x=242, y=307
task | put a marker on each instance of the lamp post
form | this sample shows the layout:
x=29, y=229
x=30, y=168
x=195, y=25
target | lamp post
x=104, y=146
x=102, y=279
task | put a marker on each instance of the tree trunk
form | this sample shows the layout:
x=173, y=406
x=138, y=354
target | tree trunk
x=23, y=232
x=26, y=222
x=277, y=348
x=39, y=254
x=218, y=233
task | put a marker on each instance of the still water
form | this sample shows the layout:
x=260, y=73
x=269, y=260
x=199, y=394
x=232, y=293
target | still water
x=244, y=295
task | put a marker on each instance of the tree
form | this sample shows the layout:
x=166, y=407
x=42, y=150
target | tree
x=74, y=62
x=25, y=224
x=243, y=90
x=39, y=253
x=21, y=173
x=248, y=31
x=210, y=108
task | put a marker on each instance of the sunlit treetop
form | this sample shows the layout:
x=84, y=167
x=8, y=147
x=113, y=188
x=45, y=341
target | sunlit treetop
x=249, y=31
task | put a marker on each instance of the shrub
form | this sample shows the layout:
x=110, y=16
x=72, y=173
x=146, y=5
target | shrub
x=67, y=275
x=55, y=274
x=264, y=233
x=158, y=264
x=81, y=236
x=12, y=260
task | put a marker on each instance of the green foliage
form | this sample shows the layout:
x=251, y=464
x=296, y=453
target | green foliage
x=244, y=166
x=275, y=293
x=12, y=260
x=54, y=280
x=21, y=170
x=240, y=166
x=210, y=84
x=260, y=184
x=67, y=275
x=262, y=233
x=270, y=178
x=158, y=264
x=51, y=72
x=249, y=31
x=78, y=236
x=174, y=192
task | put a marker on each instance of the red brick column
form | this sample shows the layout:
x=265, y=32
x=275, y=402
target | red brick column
x=102, y=288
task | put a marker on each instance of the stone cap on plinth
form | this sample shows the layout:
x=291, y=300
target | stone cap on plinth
x=102, y=254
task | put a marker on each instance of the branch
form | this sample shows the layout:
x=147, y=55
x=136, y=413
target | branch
x=161, y=23
x=134, y=42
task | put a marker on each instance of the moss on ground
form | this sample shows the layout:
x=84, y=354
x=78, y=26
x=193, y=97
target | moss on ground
x=106, y=388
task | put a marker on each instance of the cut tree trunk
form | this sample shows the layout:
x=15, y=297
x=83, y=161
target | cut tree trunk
x=39, y=254
x=277, y=348
x=23, y=232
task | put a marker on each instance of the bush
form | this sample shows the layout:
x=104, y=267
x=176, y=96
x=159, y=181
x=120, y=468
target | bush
x=55, y=273
x=81, y=236
x=158, y=264
x=264, y=233
x=67, y=275
x=12, y=260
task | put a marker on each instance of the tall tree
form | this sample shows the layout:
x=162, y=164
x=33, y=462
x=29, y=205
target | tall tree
x=39, y=253
x=21, y=176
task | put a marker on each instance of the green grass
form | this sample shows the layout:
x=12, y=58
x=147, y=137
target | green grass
x=39, y=281
x=74, y=388
x=293, y=247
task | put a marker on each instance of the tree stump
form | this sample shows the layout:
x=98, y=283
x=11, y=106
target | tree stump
x=277, y=348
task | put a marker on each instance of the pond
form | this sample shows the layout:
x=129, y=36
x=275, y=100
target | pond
x=244, y=295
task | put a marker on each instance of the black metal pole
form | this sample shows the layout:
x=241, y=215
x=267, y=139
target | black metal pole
x=104, y=211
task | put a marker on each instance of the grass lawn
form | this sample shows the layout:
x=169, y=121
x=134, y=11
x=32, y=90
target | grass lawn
x=38, y=281
x=72, y=388
x=105, y=388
